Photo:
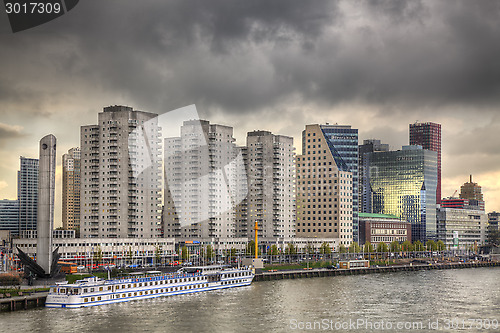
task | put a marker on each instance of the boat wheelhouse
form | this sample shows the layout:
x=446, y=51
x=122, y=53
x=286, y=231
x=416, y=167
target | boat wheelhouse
x=143, y=285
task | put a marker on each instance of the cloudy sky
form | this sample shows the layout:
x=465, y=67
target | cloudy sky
x=274, y=65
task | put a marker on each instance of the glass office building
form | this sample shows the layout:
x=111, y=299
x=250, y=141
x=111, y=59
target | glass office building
x=27, y=194
x=428, y=135
x=343, y=143
x=365, y=198
x=404, y=184
x=9, y=216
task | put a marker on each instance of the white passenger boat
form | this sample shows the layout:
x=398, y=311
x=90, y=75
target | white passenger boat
x=93, y=291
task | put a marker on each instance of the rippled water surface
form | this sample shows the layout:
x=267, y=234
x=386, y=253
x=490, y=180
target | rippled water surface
x=294, y=305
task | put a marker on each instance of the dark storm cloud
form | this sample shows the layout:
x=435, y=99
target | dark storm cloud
x=275, y=65
x=171, y=54
x=242, y=56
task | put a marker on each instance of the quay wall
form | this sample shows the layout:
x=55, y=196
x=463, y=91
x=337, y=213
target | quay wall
x=322, y=272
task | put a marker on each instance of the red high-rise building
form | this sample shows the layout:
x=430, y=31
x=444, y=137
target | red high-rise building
x=428, y=135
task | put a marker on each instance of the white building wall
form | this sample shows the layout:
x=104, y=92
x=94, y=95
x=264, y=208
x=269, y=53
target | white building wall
x=470, y=224
x=203, y=181
x=121, y=182
x=270, y=164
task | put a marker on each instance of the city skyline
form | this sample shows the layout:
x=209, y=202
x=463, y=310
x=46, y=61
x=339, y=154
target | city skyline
x=59, y=176
x=263, y=68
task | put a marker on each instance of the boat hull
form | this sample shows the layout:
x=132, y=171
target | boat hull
x=55, y=300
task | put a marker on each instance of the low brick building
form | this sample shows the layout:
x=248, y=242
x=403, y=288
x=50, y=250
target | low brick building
x=376, y=228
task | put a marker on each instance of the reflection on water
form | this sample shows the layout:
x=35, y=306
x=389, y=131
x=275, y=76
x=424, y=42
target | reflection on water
x=273, y=306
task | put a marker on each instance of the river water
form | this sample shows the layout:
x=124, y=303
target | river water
x=427, y=301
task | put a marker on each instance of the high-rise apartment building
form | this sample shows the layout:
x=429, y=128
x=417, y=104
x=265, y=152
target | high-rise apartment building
x=120, y=175
x=325, y=184
x=343, y=143
x=404, y=184
x=365, y=192
x=71, y=189
x=9, y=216
x=270, y=165
x=428, y=135
x=27, y=194
x=204, y=182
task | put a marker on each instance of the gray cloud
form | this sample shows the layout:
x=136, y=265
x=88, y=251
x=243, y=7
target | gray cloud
x=378, y=65
x=10, y=132
x=243, y=56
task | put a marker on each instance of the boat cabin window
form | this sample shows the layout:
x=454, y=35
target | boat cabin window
x=62, y=291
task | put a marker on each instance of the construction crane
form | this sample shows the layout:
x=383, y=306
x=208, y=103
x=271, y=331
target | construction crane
x=454, y=193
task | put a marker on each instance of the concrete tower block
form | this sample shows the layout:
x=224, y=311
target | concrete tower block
x=46, y=188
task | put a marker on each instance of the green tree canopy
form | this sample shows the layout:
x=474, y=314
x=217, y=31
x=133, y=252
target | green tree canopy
x=98, y=254
x=342, y=248
x=382, y=247
x=354, y=248
x=309, y=248
x=158, y=251
x=418, y=246
x=290, y=249
x=407, y=246
x=210, y=251
x=251, y=248
x=325, y=248
x=184, y=253
x=368, y=247
x=431, y=245
x=440, y=245
x=395, y=247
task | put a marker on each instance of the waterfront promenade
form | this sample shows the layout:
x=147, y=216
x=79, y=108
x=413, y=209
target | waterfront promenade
x=38, y=299
x=322, y=272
